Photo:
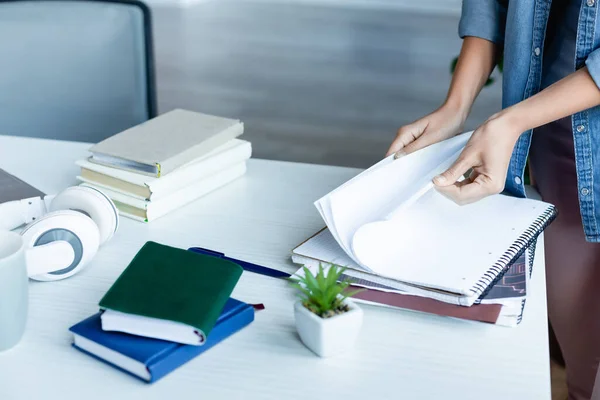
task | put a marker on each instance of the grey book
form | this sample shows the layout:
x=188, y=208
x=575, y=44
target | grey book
x=13, y=188
x=166, y=142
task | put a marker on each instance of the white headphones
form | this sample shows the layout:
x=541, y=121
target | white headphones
x=63, y=232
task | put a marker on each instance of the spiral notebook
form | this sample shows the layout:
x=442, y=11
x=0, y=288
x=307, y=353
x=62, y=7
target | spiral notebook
x=503, y=305
x=391, y=222
x=322, y=249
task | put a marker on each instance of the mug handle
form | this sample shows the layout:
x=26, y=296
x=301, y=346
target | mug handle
x=49, y=257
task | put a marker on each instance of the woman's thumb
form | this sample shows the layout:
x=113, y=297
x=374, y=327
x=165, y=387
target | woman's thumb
x=453, y=174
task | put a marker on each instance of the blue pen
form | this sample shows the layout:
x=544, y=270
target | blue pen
x=247, y=266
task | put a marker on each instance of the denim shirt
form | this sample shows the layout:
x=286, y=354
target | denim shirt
x=519, y=26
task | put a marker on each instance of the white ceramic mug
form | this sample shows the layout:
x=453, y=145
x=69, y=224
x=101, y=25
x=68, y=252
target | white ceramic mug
x=14, y=289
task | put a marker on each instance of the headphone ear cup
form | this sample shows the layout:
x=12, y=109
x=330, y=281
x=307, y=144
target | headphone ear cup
x=70, y=226
x=93, y=203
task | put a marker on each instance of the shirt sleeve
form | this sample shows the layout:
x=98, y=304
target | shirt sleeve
x=485, y=19
x=592, y=63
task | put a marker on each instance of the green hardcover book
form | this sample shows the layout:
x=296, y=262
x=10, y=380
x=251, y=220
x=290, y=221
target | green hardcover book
x=169, y=293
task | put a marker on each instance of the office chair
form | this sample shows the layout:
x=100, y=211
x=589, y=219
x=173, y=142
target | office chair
x=75, y=70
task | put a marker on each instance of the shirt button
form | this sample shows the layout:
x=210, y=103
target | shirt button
x=590, y=3
x=537, y=51
x=580, y=128
x=585, y=191
x=517, y=180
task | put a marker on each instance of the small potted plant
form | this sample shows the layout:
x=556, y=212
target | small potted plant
x=327, y=321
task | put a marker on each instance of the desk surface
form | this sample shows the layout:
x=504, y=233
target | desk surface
x=261, y=217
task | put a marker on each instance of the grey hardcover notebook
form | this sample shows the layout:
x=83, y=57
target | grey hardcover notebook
x=13, y=188
x=166, y=142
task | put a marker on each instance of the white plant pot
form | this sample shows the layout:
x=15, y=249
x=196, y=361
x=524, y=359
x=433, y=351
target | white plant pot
x=328, y=336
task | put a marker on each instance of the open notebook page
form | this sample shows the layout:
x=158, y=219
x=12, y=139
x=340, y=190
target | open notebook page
x=323, y=204
x=439, y=244
x=323, y=249
x=380, y=192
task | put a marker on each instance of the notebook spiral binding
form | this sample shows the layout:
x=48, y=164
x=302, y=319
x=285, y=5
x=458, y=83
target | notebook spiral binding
x=523, y=242
x=520, y=317
x=532, y=252
x=531, y=248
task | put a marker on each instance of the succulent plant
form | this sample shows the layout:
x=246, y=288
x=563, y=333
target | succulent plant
x=324, y=293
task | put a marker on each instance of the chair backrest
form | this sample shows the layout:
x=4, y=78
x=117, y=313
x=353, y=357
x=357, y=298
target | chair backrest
x=75, y=70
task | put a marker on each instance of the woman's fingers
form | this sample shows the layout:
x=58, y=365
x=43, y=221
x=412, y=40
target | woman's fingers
x=478, y=186
x=450, y=182
x=441, y=124
x=406, y=136
x=470, y=190
x=484, y=159
x=460, y=167
x=420, y=143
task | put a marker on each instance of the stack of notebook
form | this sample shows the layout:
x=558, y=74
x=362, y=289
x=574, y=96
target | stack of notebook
x=414, y=248
x=167, y=307
x=167, y=162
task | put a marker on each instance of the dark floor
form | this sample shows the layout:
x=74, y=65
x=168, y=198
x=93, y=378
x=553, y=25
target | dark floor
x=327, y=85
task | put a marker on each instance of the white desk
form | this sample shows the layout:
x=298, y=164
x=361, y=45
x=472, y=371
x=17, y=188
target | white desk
x=261, y=217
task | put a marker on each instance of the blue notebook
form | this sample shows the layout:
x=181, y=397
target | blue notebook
x=151, y=359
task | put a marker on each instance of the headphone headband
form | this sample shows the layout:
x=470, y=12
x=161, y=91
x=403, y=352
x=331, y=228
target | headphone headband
x=19, y=212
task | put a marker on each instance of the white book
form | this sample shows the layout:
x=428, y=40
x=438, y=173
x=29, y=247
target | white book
x=146, y=187
x=147, y=211
x=150, y=327
x=166, y=142
x=391, y=222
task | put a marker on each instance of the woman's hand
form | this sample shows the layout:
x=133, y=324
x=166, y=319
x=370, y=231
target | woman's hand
x=490, y=147
x=475, y=63
x=487, y=155
x=443, y=123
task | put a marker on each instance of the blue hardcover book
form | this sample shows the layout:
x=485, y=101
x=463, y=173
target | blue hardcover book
x=151, y=359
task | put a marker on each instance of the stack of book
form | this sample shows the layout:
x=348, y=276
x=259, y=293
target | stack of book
x=167, y=307
x=167, y=162
x=503, y=304
x=411, y=247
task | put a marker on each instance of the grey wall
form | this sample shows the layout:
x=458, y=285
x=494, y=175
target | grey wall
x=319, y=81
x=319, y=84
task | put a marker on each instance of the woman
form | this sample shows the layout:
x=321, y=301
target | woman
x=551, y=80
